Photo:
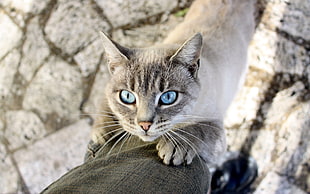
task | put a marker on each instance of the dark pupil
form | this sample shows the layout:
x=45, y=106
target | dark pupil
x=169, y=96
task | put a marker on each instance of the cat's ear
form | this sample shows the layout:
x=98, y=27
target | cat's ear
x=115, y=53
x=189, y=53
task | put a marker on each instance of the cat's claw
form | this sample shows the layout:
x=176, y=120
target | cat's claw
x=174, y=155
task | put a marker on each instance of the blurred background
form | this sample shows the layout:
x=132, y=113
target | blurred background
x=52, y=73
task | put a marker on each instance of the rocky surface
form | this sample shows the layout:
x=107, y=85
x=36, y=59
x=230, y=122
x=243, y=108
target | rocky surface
x=52, y=71
x=54, y=156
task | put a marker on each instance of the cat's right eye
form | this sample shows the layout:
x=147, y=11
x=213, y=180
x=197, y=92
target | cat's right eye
x=168, y=98
x=127, y=97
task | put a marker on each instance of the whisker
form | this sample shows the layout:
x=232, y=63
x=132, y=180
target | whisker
x=188, y=133
x=163, y=131
x=115, y=130
x=177, y=141
x=197, y=116
x=162, y=124
x=117, y=142
x=106, y=122
x=186, y=140
x=104, y=111
x=129, y=139
x=174, y=142
x=191, y=145
x=168, y=138
x=128, y=125
x=208, y=125
x=110, y=139
x=98, y=114
x=202, y=124
x=107, y=126
x=165, y=136
x=130, y=128
x=126, y=138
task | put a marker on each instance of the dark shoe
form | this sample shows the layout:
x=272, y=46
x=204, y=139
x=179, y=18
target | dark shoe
x=234, y=176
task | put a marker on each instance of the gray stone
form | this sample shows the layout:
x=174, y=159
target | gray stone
x=20, y=10
x=287, y=121
x=238, y=113
x=262, y=148
x=48, y=159
x=296, y=19
x=272, y=53
x=276, y=184
x=35, y=50
x=8, y=70
x=290, y=58
x=10, y=34
x=289, y=16
x=89, y=59
x=22, y=128
x=9, y=176
x=73, y=25
x=1, y=126
x=18, y=17
x=130, y=12
x=261, y=60
x=273, y=13
x=55, y=93
x=31, y=6
x=146, y=35
x=97, y=90
x=292, y=118
x=262, y=50
x=264, y=143
x=278, y=113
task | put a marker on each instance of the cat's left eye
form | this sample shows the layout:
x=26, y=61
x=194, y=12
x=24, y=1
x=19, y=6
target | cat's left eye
x=168, y=98
x=127, y=97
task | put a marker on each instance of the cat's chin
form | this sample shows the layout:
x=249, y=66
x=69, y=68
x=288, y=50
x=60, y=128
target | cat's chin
x=147, y=138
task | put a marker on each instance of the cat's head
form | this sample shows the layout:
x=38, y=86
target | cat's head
x=152, y=89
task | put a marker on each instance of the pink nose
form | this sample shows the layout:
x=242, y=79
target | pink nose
x=145, y=125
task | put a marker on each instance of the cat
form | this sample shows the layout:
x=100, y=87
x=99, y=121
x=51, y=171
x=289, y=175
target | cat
x=177, y=92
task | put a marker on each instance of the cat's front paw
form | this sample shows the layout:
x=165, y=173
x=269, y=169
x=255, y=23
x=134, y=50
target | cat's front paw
x=97, y=136
x=173, y=153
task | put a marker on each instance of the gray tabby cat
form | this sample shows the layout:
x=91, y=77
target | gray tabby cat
x=177, y=92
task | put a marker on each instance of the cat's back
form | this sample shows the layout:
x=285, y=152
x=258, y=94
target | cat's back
x=212, y=16
x=227, y=27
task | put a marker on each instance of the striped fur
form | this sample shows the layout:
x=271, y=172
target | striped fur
x=203, y=61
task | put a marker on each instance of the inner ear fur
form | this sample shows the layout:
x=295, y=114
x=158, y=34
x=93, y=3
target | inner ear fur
x=117, y=55
x=189, y=53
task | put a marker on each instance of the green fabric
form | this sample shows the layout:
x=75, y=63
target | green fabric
x=135, y=169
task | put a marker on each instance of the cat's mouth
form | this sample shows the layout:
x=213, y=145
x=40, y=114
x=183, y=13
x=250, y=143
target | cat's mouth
x=144, y=135
x=148, y=138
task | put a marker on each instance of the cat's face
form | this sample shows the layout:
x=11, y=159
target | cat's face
x=151, y=90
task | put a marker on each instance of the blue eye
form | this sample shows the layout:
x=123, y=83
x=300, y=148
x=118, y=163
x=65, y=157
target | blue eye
x=127, y=97
x=168, y=98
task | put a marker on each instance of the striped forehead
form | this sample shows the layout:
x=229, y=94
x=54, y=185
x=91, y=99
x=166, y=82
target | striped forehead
x=150, y=56
x=147, y=78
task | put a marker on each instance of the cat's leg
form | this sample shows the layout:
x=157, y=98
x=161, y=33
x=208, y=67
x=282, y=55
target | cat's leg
x=99, y=133
x=173, y=153
x=203, y=139
x=105, y=128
